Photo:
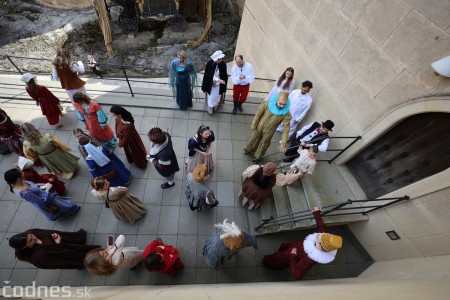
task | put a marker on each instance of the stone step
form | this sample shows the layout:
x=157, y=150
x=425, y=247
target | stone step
x=268, y=210
x=282, y=207
x=327, y=187
x=298, y=202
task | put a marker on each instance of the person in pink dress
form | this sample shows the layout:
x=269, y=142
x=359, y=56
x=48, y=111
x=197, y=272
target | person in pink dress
x=94, y=118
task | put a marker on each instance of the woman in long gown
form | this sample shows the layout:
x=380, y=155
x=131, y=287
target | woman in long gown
x=106, y=261
x=51, y=151
x=10, y=133
x=285, y=83
x=259, y=182
x=182, y=79
x=94, y=118
x=78, y=134
x=66, y=71
x=125, y=207
x=50, y=105
x=51, y=249
x=49, y=203
x=101, y=161
x=200, y=149
x=198, y=194
x=214, y=83
x=129, y=138
x=30, y=174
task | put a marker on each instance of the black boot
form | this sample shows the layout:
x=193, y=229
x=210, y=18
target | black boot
x=240, y=107
x=235, y=103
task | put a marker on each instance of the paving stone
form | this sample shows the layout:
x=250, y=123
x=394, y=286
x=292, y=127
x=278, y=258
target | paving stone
x=7, y=211
x=70, y=278
x=168, y=222
x=89, y=216
x=205, y=275
x=187, y=223
x=153, y=192
x=171, y=196
x=5, y=274
x=149, y=224
x=24, y=217
x=224, y=170
x=47, y=277
x=186, y=245
x=22, y=277
x=224, y=149
x=206, y=219
x=225, y=193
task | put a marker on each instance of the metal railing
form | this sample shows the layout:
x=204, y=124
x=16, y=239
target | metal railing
x=330, y=211
x=329, y=160
x=267, y=83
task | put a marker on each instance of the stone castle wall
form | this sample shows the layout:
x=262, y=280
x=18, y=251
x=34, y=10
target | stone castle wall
x=369, y=61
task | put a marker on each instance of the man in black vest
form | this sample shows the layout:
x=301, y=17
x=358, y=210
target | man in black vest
x=310, y=135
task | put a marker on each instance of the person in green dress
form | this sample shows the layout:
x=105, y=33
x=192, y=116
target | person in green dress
x=52, y=152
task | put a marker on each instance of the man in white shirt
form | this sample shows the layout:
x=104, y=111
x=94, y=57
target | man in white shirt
x=242, y=74
x=300, y=103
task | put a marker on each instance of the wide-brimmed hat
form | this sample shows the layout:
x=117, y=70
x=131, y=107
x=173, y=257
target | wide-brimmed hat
x=328, y=124
x=200, y=172
x=24, y=163
x=27, y=77
x=217, y=55
x=330, y=242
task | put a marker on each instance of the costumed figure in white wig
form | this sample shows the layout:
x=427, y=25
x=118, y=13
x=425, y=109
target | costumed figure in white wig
x=226, y=243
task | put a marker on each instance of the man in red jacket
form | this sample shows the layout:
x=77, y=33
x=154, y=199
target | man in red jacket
x=301, y=256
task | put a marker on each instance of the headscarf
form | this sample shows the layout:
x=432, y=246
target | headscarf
x=96, y=154
x=264, y=177
x=269, y=168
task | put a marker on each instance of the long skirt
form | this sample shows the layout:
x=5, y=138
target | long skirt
x=198, y=159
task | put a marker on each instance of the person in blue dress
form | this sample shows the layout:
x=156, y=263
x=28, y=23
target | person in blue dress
x=101, y=161
x=49, y=203
x=182, y=79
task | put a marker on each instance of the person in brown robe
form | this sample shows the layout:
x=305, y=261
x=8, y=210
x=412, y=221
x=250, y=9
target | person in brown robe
x=129, y=138
x=51, y=249
x=259, y=181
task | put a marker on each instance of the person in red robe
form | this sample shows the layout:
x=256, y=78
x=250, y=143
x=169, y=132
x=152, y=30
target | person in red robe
x=30, y=174
x=50, y=105
x=128, y=136
x=10, y=133
x=162, y=258
x=301, y=256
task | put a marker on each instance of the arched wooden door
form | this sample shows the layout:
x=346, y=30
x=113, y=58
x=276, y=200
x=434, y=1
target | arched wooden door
x=414, y=149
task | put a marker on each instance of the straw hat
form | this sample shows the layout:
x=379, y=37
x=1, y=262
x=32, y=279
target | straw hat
x=330, y=242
